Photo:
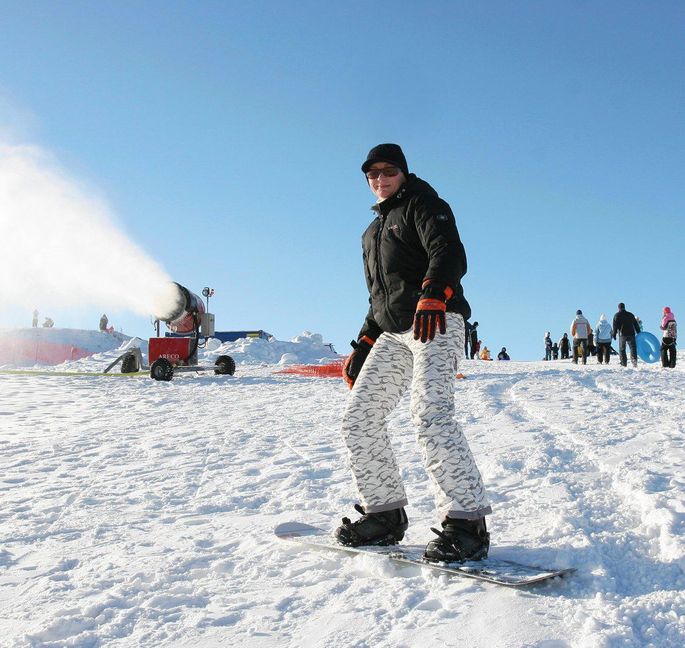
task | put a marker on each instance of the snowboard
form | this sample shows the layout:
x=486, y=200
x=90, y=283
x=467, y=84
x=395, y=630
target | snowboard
x=490, y=570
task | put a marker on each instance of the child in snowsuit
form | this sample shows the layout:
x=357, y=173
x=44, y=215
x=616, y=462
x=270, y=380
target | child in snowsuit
x=668, y=341
x=564, y=346
x=413, y=335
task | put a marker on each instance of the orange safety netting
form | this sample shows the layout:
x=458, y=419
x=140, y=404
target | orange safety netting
x=331, y=370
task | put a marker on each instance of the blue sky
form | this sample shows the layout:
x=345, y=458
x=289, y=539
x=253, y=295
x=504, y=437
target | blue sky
x=227, y=139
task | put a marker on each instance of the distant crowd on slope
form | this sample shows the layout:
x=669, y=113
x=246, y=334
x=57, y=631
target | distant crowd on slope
x=586, y=342
x=49, y=322
x=474, y=348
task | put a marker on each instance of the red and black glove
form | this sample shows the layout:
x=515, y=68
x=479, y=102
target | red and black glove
x=355, y=361
x=430, y=311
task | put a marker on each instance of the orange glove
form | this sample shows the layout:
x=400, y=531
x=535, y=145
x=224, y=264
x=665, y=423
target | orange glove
x=430, y=311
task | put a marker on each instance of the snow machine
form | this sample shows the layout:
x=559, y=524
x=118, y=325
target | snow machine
x=188, y=322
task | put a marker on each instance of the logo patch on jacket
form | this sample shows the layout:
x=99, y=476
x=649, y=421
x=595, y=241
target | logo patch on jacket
x=442, y=218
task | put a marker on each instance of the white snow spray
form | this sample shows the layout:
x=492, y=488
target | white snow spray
x=60, y=248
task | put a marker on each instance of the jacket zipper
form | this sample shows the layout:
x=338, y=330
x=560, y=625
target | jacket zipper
x=379, y=264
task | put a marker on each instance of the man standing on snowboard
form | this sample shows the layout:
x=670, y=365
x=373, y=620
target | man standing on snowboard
x=413, y=335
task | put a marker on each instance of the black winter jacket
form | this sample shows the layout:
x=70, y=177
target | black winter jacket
x=414, y=237
x=625, y=324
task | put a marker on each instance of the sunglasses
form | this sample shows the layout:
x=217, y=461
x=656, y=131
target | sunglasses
x=388, y=172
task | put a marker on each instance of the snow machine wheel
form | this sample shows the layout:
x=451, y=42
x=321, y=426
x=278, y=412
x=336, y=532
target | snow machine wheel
x=129, y=363
x=161, y=369
x=224, y=365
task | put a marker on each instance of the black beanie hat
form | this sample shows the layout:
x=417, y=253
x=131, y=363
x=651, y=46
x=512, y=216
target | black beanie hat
x=390, y=153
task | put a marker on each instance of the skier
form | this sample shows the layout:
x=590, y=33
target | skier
x=603, y=335
x=580, y=329
x=668, y=341
x=626, y=327
x=413, y=335
x=548, y=346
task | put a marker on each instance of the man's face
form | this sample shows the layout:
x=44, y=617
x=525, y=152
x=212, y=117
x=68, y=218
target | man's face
x=387, y=182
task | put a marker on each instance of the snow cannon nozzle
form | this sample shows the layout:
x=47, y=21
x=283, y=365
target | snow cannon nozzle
x=181, y=309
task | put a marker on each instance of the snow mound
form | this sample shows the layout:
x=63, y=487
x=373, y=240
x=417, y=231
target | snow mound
x=306, y=348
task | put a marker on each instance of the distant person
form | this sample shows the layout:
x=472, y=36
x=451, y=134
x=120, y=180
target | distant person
x=580, y=329
x=639, y=324
x=564, y=346
x=592, y=350
x=467, y=334
x=473, y=340
x=555, y=351
x=48, y=323
x=485, y=354
x=626, y=327
x=603, y=337
x=503, y=355
x=34, y=321
x=548, y=346
x=103, y=323
x=668, y=341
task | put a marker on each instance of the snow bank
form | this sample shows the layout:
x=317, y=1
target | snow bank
x=306, y=348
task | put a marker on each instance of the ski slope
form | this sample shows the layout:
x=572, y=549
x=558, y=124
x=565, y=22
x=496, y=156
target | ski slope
x=140, y=513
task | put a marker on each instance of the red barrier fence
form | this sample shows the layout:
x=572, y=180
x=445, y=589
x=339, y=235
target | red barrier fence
x=331, y=370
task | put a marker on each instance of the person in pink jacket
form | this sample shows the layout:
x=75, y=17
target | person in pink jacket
x=670, y=333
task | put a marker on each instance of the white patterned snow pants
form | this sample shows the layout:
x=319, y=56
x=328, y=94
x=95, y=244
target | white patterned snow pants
x=395, y=361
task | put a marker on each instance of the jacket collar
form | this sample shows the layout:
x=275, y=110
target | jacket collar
x=384, y=207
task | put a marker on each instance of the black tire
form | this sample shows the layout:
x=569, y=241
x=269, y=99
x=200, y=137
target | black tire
x=129, y=363
x=161, y=369
x=225, y=365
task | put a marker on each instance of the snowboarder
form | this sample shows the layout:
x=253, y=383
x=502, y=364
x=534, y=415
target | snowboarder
x=580, y=329
x=564, y=346
x=413, y=335
x=668, y=341
x=603, y=335
x=626, y=327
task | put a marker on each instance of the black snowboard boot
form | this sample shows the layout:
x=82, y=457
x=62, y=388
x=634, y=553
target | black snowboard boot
x=459, y=540
x=378, y=529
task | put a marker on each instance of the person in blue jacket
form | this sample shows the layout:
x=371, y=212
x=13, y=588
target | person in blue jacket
x=603, y=339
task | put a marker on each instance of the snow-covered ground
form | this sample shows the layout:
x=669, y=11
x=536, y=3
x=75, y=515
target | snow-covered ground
x=140, y=513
